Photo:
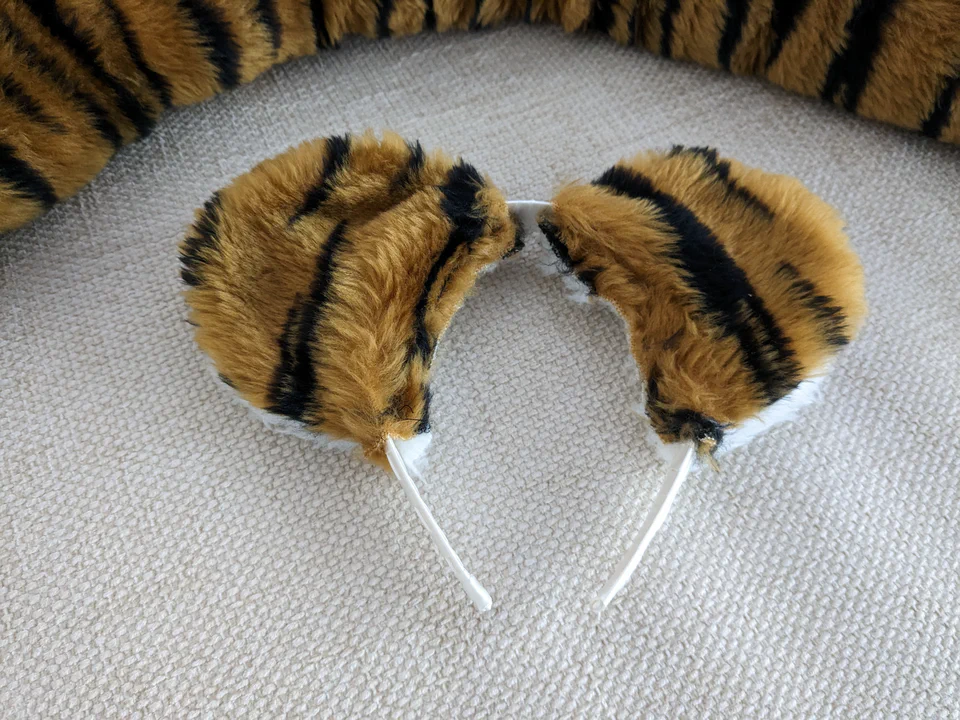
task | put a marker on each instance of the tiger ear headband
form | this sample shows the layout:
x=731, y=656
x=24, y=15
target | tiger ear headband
x=321, y=281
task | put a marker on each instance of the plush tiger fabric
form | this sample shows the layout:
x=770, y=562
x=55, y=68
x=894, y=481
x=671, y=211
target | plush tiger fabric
x=80, y=78
x=735, y=285
x=321, y=281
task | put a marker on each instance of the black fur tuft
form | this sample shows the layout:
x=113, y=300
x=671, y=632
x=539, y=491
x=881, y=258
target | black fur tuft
x=201, y=241
x=829, y=316
x=567, y=264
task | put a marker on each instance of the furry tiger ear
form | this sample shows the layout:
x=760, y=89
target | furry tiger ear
x=321, y=281
x=737, y=287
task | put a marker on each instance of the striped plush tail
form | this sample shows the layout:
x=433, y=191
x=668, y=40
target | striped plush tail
x=78, y=81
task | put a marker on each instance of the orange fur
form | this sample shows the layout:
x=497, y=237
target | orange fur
x=915, y=69
x=177, y=54
x=896, y=62
x=696, y=30
x=735, y=285
x=268, y=291
x=806, y=56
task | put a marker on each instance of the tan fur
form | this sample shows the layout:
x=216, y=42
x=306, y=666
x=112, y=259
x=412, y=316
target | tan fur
x=696, y=30
x=67, y=158
x=261, y=263
x=408, y=17
x=572, y=15
x=624, y=22
x=756, y=39
x=494, y=12
x=177, y=53
x=17, y=210
x=806, y=55
x=63, y=147
x=771, y=228
x=913, y=69
x=34, y=33
x=297, y=37
x=353, y=18
x=92, y=17
x=257, y=53
x=910, y=71
x=453, y=14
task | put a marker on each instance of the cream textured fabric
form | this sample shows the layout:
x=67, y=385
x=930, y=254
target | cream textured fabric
x=163, y=555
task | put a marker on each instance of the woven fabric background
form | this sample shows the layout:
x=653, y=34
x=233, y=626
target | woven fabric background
x=163, y=555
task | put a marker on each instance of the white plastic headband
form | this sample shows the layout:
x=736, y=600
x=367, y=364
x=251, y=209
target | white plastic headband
x=526, y=212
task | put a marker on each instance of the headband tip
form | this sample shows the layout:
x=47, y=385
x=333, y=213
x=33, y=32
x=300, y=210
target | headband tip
x=479, y=596
x=473, y=589
x=599, y=605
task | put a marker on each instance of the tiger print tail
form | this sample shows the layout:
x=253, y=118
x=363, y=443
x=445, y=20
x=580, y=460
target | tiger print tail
x=78, y=79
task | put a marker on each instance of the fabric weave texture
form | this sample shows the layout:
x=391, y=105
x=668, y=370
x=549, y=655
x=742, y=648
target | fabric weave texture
x=162, y=554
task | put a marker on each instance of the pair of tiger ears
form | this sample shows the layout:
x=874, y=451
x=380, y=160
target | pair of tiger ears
x=321, y=281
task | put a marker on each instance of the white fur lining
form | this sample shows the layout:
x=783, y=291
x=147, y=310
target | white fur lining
x=413, y=451
x=783, y=410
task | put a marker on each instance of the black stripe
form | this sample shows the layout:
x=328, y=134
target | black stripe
x=725, y=291
x=633, y=23
x=567, y=264
x=158, y=83
x=383, y=18
x=829, y=316
x=527, y=11
x=320, y=33
x=640, y=20
x=670, y=9
x=603, y=17
x=783, y=21
x=518, y=243
x=411, y=172
x=201, y=242
x=939, y=116
x=222, y=49
x=295, y=383
x=737, y=13
x=267, y=15
x=337, y=154
x=851, y=66
x=417, y=158
x=283, y=397
x=45, y=66
x=720, y=169
x=423, y=426
x=26, y=181
x=429, y=16
x=27, y=105
x=460, y=195
x=83, y=47
x=475, y=20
